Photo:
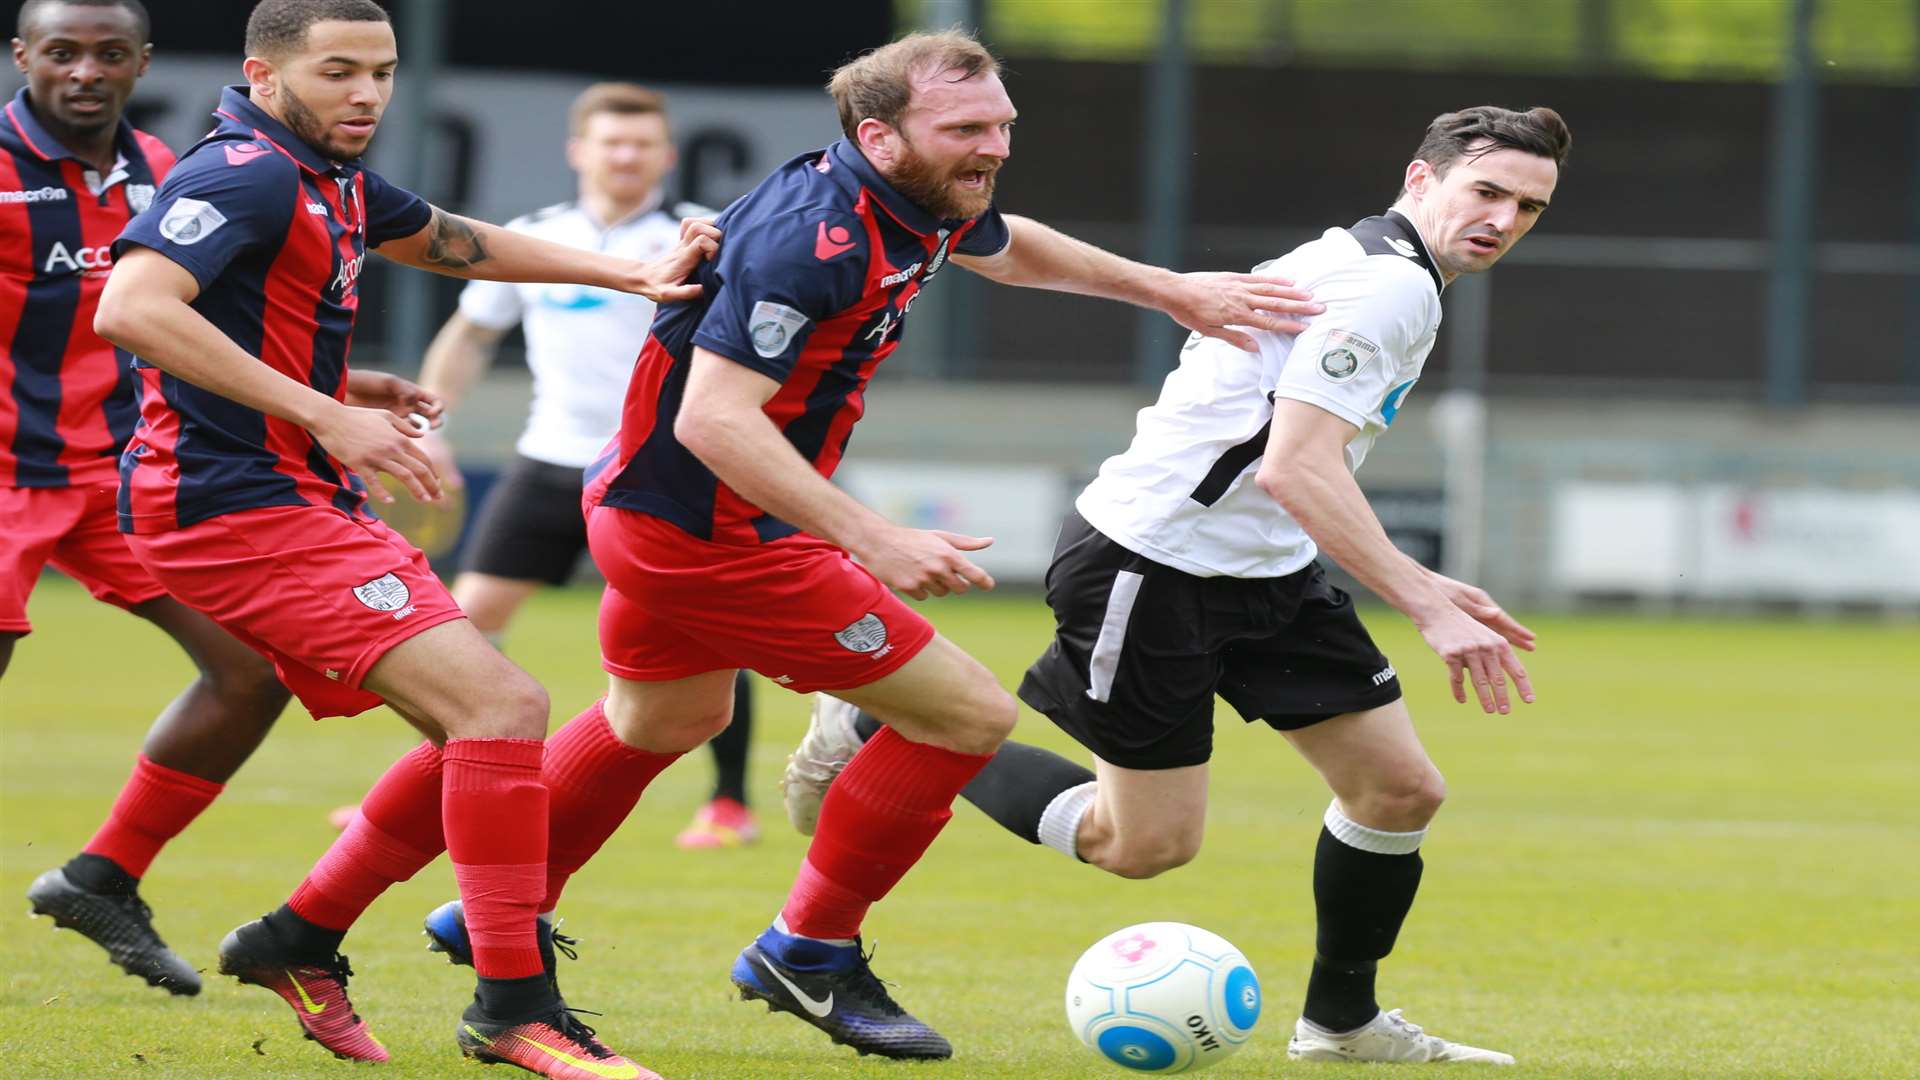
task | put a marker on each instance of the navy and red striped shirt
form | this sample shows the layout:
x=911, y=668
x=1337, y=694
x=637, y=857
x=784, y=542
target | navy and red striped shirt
x=818, y=267
x=276, y=234
x=67, y=404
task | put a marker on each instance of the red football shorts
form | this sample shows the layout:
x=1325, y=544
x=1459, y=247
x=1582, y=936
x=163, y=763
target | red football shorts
x=321, y=595
x=73, y=529
x=797, y=610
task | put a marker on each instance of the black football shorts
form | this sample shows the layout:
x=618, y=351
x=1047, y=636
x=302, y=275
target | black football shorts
x=1140, y=650
x=530, y=527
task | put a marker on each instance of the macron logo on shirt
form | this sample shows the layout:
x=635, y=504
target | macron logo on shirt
x=243, y=153
x=830, y=242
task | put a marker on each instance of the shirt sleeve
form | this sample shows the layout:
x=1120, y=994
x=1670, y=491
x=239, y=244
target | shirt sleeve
x=492, y=304
x=1352, y=354
x=215, y=206
x=773, y=284
x=392, y=212
x=989, y=235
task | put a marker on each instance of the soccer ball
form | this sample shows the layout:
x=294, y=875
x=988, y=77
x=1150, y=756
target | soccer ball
x=1163, y=997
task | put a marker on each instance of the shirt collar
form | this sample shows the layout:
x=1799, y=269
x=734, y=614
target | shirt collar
x=1426, y=253
x=647, y=206
x=847, y=156
x=39, y=141
x=237, y=111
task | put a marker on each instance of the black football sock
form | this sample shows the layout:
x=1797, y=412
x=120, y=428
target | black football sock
x=515, y=1001
x=100, y=875
x=730, y=746
x=306, y=940
x=1018, y=785
x=1361, y=898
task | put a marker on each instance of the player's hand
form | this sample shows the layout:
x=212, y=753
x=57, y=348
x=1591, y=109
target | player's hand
x=926, y=562
x=662, y=279
x=385, y=390
x=374, y=441
x=1475, y=602
x=1217, y=305
x=1474, y=653
x=440, y=453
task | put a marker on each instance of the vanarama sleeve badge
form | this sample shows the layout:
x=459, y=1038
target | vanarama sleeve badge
x=772, y=326
x=1344, y=355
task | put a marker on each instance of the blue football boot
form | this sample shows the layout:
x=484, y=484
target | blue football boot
x=446, y=931
x=832, y=988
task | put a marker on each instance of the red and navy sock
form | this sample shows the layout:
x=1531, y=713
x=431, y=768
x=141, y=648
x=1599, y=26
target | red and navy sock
x=878, y=819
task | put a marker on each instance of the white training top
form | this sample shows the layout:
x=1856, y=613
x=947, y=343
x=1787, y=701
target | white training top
x=1183, y=493
x=581, y=341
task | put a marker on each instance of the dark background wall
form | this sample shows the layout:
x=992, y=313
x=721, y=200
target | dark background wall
x=1280, y=154
x=718, y=41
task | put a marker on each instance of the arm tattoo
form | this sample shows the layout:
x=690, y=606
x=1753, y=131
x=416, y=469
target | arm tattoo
x=452, y=242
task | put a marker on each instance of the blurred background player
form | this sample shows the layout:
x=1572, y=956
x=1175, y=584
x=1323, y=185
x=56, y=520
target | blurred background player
x=1188, y=569
x=241, y=491
x=66, y=412
x=581, y=345
x=726, y=546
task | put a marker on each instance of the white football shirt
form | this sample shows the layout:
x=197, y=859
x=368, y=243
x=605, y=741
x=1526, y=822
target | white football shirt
x=1183, y=493
x=581, y=341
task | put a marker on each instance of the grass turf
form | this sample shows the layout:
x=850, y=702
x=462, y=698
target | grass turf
x=1698, y=856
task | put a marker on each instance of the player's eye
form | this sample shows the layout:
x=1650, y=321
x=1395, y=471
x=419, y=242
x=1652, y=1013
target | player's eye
x=383, y=75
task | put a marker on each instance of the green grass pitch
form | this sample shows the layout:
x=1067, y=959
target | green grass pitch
x=1697, y=856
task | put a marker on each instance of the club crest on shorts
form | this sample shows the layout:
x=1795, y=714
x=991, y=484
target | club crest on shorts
x=864, y=635
x=384, y=593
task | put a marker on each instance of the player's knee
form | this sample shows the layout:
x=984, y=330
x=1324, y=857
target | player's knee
x=658, y=734
x=1143, y=857
x=520, y=710
x=248, y=685
x=1402, y=801
x=987, y=718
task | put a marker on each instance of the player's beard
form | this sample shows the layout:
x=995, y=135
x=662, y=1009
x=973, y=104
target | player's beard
x=306, y=124
x=934, y=189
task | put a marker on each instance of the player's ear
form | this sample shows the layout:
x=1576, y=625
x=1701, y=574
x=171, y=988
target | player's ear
x=146, y=58
x=261, y=75
x=20, y=55
x=1419, y=175
x=877, y=138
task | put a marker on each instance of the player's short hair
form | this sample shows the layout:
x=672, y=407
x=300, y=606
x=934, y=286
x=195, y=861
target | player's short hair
x=30, y=14
x=278, y=27
x=879, y=84
x=619, y=98
x=1483, y=129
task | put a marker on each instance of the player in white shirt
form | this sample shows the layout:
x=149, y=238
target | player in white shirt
x=1188, y=570
x=581, y=345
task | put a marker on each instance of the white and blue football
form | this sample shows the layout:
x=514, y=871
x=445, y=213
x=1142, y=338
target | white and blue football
x=1163, y=997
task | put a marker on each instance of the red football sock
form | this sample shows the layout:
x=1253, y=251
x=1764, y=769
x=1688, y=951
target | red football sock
x=879, y=817
x=494, y=810
x=153, y=807
x=396, y=832
x=594, y=780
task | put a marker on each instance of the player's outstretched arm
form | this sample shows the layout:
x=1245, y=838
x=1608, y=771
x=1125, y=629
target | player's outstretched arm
x=146, y=309
x=464, y=248
x=721, y=421
x=1304, y=470
x=1041, y=257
